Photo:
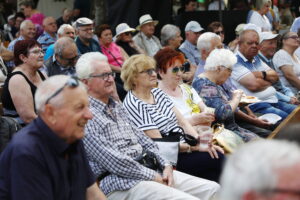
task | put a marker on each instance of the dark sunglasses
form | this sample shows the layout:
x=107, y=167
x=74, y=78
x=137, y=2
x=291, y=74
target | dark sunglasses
x=104, y=76
x=127, y=33
x=149, y=71
x=72, y=83
x=219, y=32
x=175, y=70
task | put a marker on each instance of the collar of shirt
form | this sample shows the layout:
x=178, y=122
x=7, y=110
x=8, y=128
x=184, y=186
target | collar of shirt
x=146, y=37
x=48, y=35
x=264, y=57
x=96, y=103
x=51, y=138
x=189, y=45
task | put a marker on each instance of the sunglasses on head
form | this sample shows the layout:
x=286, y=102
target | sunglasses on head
x=72, y=83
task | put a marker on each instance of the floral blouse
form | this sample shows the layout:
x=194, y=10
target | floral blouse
x=214, y=96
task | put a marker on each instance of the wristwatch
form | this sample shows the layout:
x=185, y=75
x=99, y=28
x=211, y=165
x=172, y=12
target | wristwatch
x=189, y=149
x=264, y=73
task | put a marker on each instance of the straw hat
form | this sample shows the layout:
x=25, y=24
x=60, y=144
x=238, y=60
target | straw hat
x=145, y=19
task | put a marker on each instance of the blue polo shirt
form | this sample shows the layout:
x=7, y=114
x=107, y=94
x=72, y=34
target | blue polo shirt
x=37, y=164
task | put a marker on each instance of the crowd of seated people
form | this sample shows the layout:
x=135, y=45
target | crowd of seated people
x=126, y=91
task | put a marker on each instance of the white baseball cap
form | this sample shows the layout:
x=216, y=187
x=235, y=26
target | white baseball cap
x=193, y=26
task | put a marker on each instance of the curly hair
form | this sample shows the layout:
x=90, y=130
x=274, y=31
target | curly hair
x=22, y=47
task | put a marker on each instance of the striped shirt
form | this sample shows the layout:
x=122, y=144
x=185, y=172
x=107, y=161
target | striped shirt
x=152, y=116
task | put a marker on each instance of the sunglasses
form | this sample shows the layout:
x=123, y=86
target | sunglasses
x=149, y=71
x=219, y=32
x=104, y=76
x=295, y=37
x=127, y=33
x=175, y=70
x=72, y=83
x=70, y=60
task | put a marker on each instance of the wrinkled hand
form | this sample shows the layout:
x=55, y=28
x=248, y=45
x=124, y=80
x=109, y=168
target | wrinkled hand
x=212, y=150
x=203, y=118
x=237, y=94
x=168, y=176
x=262, y=123
x=294, y=100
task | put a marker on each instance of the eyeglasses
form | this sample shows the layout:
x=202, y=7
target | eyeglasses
x=295, y=37
x=282, y=190
x=104, y=76
x=72, y=83
x=70, y=60
x=219, y=32
x=37, y=51
x=175, y=70
x=127, y=33
x=87, y=30
x=149, y=71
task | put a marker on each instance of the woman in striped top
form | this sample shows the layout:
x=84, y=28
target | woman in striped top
x=153, y=111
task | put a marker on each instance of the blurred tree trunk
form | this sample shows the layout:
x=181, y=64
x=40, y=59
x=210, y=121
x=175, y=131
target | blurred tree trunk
x=100, y=12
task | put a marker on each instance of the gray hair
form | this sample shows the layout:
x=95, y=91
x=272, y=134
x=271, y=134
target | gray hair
x=220, y=57
x=62, y=28
x=25, y=23
x=204, y=40
x=167, y=33
x=61, y=44
x=253, y=167
x=260, y=3
x=85, y=64
x=48, y=88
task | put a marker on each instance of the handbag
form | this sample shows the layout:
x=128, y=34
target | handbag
x=169, y=145
x=226, y=138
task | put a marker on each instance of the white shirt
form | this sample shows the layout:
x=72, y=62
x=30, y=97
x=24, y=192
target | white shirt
x=260, y=21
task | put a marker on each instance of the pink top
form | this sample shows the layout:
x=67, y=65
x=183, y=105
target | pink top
x=37, y=18
x=113, y=54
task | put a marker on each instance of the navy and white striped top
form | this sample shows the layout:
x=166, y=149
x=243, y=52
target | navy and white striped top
x=152, y=116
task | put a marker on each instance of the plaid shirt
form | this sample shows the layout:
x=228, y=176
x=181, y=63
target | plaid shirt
x=112, y=143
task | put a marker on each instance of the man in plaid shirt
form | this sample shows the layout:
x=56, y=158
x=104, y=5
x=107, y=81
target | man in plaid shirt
x=113, y=144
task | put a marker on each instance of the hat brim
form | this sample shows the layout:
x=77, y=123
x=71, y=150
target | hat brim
x=269, y=38
x=147, y=22
x=126, y=30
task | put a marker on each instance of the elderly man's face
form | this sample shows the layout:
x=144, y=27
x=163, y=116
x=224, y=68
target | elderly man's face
x=268, y=48
x=148, y=29
x=86, y=32
x=69, y=56
x=29, y=31
x=101, y=87
x=192, y=37
x=287, y=187
x=69, y=32
x=249, y=45
x=72, y=116
x=50, y=25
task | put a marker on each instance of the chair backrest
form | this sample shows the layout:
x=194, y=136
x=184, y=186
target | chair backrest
x=293, y=118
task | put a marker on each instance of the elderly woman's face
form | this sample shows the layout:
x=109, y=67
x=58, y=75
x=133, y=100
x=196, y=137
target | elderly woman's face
x=106, y=37
x=35, y=57
x=146, y=78
x=126, y=37
x=223, y=74
x=176, y=41
x=265, y=9
x=173, y=74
